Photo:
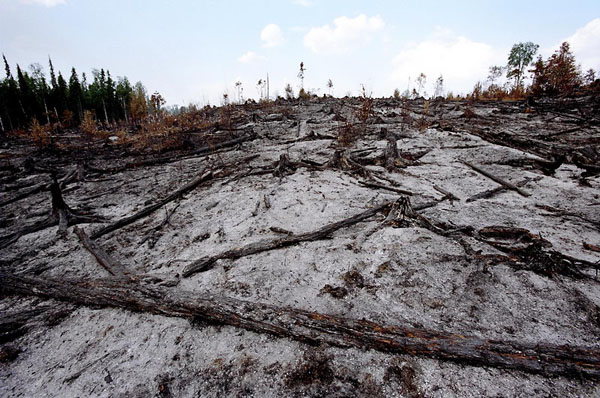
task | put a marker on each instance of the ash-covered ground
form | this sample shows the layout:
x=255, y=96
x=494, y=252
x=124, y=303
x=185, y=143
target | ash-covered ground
x=512, y=261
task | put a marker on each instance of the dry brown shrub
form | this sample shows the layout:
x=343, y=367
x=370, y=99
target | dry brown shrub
x=90, y=127
x=38, y=134
x=365, y=111
x=225, y=121
x=347, y=134
x=158, y=136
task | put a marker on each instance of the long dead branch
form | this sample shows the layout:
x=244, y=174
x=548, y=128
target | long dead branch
x=151, y=209
x=499, y=180
x=61, y=215
x=206, y=263
x=104, y=259
x=206, y=150
x=313, y=327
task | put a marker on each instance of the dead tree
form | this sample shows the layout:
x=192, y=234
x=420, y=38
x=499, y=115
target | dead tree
x=312, y=327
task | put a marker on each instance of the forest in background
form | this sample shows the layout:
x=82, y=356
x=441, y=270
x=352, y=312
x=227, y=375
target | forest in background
x=29, y=102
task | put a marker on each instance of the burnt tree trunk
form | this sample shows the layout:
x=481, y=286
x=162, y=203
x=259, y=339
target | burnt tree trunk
x=312, y=327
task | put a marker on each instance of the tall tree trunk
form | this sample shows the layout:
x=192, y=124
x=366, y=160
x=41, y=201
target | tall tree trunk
x=312, y=327
x=125, y=110
x=46, y=109
x=105, y=113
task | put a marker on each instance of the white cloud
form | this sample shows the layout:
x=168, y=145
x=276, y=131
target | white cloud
x=346, y=35
x=303, y=3
x=585, y=44
x=272, y=36
x=251, y=57
x=47, y=3
x=461, y=61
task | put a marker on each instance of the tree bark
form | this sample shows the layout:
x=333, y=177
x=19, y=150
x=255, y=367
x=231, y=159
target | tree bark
x=499, y=180
x=151, y=209
x=313, y=327
x=207, y=263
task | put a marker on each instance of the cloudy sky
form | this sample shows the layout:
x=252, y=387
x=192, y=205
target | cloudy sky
x=194, y=51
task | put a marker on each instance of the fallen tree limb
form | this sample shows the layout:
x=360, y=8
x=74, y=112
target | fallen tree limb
x=61, y=215
x=499, y=180
x=312, y=327
x=205, y=263
x=385, y=187
x=104, y=259
x=206, y=150
x=151, y=209
x=15, y=324
x=70, y=177
x=492, y=192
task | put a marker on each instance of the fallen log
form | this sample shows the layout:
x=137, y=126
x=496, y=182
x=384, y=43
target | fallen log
x=152, y=208
x=206, y=263
x=206, y=150
x=499, y=180
x=385, y=187
x=70, y=177
x=312, y=327
x=14, y=324
x=104, y=259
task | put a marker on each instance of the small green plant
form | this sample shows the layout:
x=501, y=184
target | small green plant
x=397, y=94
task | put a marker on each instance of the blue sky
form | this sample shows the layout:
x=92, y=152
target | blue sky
x=194, y=51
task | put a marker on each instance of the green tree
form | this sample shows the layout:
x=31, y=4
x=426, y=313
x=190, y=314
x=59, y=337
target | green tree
x=41, y=91
x=26, y=94
x=123, y=95
x=10, y=99
x=75, y=96
x=62, y=95
x=519, y=58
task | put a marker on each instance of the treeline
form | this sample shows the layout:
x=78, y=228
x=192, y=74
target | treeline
x=558, y=75
x=25, y=97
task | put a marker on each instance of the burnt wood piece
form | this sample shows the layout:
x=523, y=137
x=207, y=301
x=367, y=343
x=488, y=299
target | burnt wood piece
x=62, y=215
x=70, y=177
x=499, y=180
x=151, y=209
x=104, y=259
x=312, y=327
x=492, y=192
x=206, y=263
x=386, y=188
x=206, y=150
x=14, y=324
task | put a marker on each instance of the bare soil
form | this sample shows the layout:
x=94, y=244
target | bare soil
x=461, y=221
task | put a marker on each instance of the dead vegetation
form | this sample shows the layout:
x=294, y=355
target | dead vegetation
x=423, y=232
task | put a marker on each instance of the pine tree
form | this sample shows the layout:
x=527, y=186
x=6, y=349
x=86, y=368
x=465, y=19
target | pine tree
x=25, y=94
x=109, y=96
x=75, y=96
x=62, y=95
x=41, y=92
x=562, y=71
x=11, y=98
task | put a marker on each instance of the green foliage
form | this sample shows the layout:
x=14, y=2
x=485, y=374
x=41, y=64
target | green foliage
x=519, y=58
x=26, y=96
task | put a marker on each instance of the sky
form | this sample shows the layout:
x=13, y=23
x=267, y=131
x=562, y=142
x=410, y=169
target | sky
x=195, y=51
